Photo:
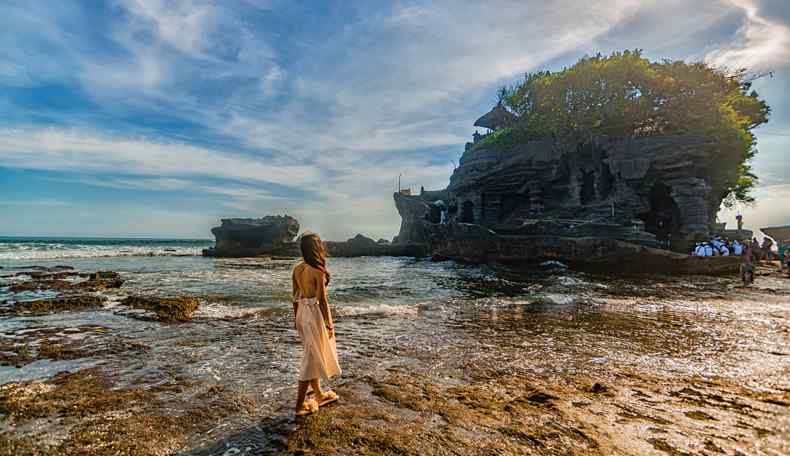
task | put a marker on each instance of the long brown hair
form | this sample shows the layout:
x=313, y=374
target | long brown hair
x=314, y=253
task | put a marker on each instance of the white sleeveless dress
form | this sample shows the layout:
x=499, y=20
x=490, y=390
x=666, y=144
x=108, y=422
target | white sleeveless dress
x=320, y=351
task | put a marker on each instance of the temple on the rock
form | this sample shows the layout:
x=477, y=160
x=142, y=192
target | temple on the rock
x=652, y=191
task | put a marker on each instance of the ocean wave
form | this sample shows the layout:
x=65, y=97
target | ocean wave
x=31, y=251
x=219, y=311
x=376, y=309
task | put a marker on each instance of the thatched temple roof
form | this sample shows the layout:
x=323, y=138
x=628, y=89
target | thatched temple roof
x=497, y=117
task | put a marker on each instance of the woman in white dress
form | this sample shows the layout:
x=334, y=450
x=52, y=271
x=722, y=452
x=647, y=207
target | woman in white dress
x=313, y=320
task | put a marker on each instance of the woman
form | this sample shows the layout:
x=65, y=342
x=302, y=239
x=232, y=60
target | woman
x=313, y=321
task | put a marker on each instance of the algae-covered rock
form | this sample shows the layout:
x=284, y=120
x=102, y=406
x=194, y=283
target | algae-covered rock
x=48, y=306
x=45, y=280
x=166, y=309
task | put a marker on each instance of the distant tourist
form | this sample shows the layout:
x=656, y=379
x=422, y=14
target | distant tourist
x=737, y=248
x=767, y=248
x=747, y=266
x=756, y=251
x=708, y=249
x=739, y=218
x=313, y=321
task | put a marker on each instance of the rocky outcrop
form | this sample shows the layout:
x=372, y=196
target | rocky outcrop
x=49, y=306
x=659, y=185
x=283, y=245
x=40, y=280
x=361, y=245
x=414, y=213
x=477, y=244
x=240, y=237
x=599, y=202
x=166, y=309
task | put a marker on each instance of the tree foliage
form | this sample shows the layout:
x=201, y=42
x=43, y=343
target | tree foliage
x=626, y=95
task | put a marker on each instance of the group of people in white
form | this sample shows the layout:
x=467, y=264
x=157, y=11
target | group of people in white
x=719, y=246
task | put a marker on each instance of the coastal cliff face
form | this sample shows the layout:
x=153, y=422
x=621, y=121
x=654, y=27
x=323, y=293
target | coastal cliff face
x=603, y=203
x=657, y=185
x=650, y=191
x=475, y=244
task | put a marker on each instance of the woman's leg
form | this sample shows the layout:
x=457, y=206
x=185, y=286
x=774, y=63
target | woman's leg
x=316, y=385
x=301, y=393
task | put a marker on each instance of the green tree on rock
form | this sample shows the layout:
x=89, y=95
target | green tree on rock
x=627, y=95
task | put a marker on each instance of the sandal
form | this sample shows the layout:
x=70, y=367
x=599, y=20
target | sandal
x=327, y=398
x=309, y=406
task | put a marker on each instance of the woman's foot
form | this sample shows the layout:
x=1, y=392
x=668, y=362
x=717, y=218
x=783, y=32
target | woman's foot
x=326, y=397
x=308, y=407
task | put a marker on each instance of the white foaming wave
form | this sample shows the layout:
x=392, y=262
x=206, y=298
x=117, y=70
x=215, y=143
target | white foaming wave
x=376, y=309
x=215, y=310
x=53, y=252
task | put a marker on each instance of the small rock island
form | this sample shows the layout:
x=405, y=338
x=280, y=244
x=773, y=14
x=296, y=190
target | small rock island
x=275, y=235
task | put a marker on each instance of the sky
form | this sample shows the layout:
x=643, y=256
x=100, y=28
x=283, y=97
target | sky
x=155, y=118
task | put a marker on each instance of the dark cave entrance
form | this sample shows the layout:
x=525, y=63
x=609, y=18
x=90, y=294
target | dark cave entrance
x=510, y=203
x=468, y=212
x=587, y=193
x=663, y=219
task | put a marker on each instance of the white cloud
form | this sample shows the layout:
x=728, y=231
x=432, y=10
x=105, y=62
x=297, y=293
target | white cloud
x=772, y=209
x=185, y=25
x=87, y=152
x=760, y=43
x=411, y=87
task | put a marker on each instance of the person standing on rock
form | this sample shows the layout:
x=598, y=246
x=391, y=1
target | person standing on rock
x=313, y=321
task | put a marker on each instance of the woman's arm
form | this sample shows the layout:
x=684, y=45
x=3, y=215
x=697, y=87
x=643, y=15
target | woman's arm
x=294, y=298
x=323, y=301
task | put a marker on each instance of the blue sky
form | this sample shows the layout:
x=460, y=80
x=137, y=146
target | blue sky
x=158, y=117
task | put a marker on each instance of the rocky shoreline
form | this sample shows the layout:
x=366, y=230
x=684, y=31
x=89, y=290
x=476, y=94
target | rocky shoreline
x=474, y=394
x=272, y=237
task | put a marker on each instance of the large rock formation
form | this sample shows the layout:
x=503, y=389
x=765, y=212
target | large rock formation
x=274, y=236
x=241, y=237
x=591, y=197
x=658, y=185
x=476, y=244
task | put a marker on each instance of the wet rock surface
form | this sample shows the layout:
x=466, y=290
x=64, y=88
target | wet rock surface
x=105, y=419
x=165, y=309
x=499, y=361
x=59, y=343
x=476, y=244
x=45, y=306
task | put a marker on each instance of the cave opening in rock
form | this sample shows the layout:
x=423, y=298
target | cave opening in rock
x=587, y=192
x=606, y=182
x=512, y=202
x=663, y=219
x=468, y=212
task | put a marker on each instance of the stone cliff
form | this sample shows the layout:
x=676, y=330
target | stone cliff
x=648, y=191
x=652, y=191
x=657, y=185
x=238, y=237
